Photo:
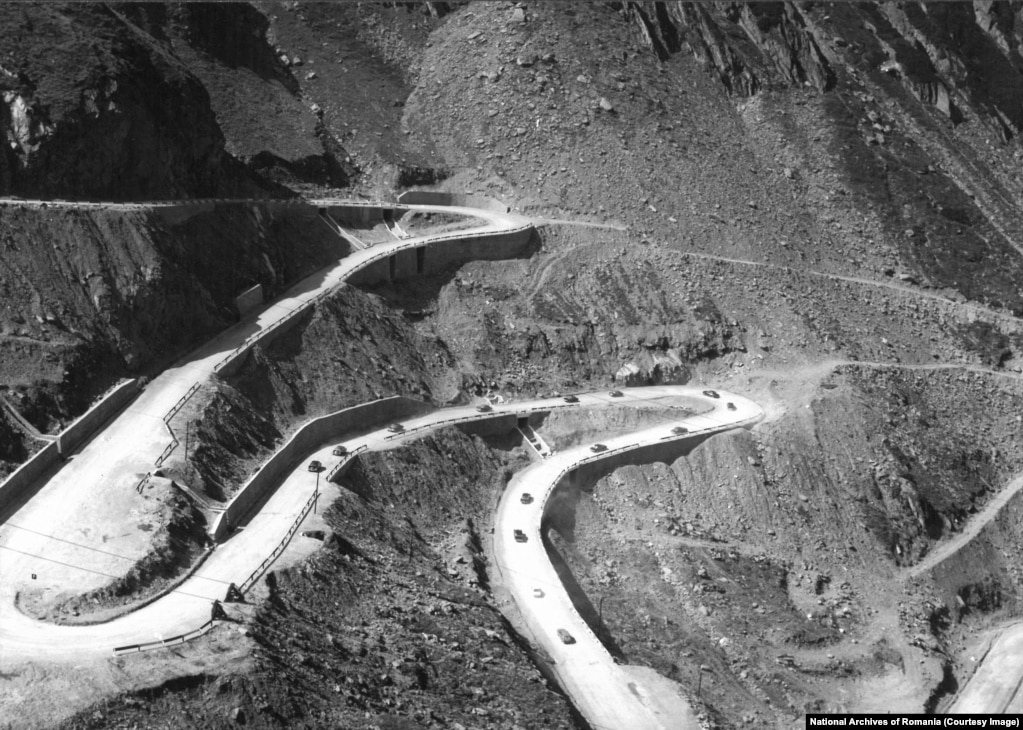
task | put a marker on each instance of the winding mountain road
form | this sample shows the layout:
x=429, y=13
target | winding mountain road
x=609, y=695
x=59, y=538
x=64, y=535
x=72, y=502
x=83, y=503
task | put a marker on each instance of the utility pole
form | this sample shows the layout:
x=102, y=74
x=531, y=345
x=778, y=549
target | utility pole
x=187, y=423
x=600, y=620
x=316, y=494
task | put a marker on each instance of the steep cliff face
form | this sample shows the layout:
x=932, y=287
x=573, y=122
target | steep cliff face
x=256, y=91
x=154, y=102
x=750, y=46
x=103, y=112
x=949, y=75
x=92, y=295
x=947, y=54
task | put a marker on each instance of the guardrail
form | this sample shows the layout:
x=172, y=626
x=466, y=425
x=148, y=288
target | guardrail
x=167, y=451
x=480, y=417
x=161, y=643
x=344, y=462
x=183, y=202
x=254, y=576
x=181, y=402
x=380, y=255
x=166, y=422
x=256, y=336
x=142, y=482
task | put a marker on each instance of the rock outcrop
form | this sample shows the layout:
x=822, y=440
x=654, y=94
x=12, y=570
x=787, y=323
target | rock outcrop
x=92, y=295
x=95, y=108
x=748, y=46
x=130, y=102
x=946, y=54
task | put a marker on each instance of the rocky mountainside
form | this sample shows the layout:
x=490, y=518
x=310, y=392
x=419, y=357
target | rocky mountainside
x=91, y=296
x=144, y=102
x=813, y=204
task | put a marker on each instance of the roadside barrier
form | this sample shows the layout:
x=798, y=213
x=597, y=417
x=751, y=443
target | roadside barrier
x=181, y=402
x=161, y=643
x=719, y=427
x=343, y=464
x=311, y=434
x=24, y=477
x=256, y=336
x=408, y=244
x=237, y=593
x=255, y=575
x=166, y=422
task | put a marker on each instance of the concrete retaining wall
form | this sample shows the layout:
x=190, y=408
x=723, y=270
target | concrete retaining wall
x=310, y=436
x=587, y=474
x=429, y=258
x=491, y=426
x=436, y=197
x=490, y=247
x=73, y=436
x=498, y=425
x=356, y=214
x=18, y=484
x=662, y=451
x=232, y=363
x=439, y=256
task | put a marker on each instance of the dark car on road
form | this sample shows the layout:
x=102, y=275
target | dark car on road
x=396, y=428
x=340, y=450
x=526, y=498
x=485, y=408
x=565, y=636
x=711, y=394
x=314, y=465
x=731, y=406
x=520, y=536
x=616, y=394
x=597, y=448
x=679, y=430
x=571, y=399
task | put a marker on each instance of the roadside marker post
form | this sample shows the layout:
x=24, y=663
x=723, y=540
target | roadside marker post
x=316, y=493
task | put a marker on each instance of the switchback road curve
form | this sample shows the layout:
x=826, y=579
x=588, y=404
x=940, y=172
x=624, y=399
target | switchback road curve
x=83, y=500
x=607, y=694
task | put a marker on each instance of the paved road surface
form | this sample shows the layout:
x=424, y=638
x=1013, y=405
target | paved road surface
x=72, y=503
x=80, y=516
x=996, y=685
x=609, y=695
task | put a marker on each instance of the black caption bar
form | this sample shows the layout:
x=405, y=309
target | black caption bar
x=968, y=722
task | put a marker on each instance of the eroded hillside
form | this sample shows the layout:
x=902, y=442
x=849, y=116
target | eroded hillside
x=816, y=205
